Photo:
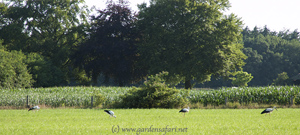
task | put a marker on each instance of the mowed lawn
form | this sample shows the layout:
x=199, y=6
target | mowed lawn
x=150, y=121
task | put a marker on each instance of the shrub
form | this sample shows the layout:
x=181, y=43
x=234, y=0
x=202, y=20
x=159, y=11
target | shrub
x=242, y=78
x=282, y=79
x=13, y=70
x=154, y=94
x=43, y=71
x=99, y=100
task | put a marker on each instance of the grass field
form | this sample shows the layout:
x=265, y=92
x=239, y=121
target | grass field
x=150, y=121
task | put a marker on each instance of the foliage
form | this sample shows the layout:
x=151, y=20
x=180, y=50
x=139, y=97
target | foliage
x=50, y=28
x=43, y=72
x=282, y=79
x=190, y=38
x=159, y=80
x=13, y=70
x=270, y=53
x=111, y=46
x=11, y=28
x=99, y=99
x=154, y=94
x=241, y=79
x=80, y=77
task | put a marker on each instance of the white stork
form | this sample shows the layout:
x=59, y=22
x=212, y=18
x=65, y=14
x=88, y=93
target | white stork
x=110, y=113
x=185, y=110
x=269, y=110
x=35, y=108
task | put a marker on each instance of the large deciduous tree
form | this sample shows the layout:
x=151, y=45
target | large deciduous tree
x=190, y=38
x=50, y=28
x=11, y=27
x=111, y=47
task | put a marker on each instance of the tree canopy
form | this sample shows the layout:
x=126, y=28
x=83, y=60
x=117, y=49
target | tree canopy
x=52, y=43
x=49, y=28
x=13, y=70
x=271, y=56
x=111, y=46
x=271, y=53
x=190, y=38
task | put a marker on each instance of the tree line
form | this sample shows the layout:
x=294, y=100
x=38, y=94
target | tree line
x=57, y=43
x=272, y=57
x=270, y=54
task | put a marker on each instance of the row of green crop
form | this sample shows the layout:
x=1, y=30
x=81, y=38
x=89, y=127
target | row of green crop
x=81, y=96
x=261, y=95
x=59, y=96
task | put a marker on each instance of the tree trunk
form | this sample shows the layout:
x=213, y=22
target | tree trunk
x=187, y=84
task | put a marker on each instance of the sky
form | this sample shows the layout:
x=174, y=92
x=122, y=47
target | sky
x=277, y=15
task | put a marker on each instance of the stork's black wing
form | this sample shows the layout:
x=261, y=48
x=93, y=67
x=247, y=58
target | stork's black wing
x=266, y=111
x=184, y=110
x=31, y=108
x=109, y=112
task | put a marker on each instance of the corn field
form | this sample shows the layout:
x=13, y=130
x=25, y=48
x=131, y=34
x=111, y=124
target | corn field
x=58, y=96
x=281, y=95
x=81, y=96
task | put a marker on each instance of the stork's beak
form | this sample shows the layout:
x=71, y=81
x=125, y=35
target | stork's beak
x=276, y=109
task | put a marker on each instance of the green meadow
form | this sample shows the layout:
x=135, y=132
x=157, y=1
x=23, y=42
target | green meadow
x=150, y=121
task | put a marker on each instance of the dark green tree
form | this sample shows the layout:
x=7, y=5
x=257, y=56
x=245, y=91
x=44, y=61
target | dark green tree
x=192, y=39
x=282, y=79
x=270, y=54
x=13, y=70
x=286, y=34
x=11, y=27
x=43, y=71
x=47, y=27
x=111, y=46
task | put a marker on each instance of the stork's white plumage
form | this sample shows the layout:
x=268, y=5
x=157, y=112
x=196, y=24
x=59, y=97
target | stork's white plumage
x=35, y=108
x=269, y=110
x=184, y=110
x=110, y=113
